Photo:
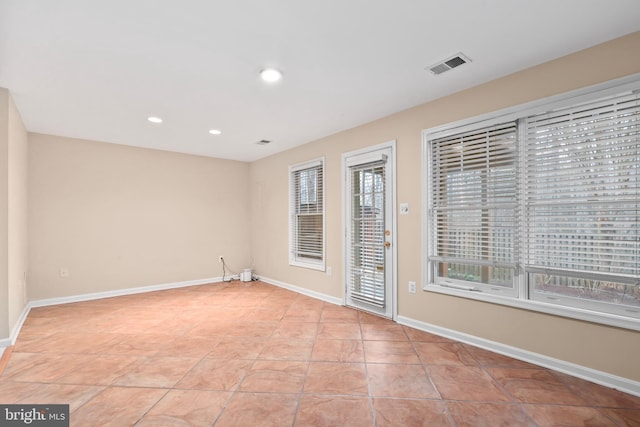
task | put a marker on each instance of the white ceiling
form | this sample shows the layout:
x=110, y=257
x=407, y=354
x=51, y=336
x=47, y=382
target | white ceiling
x=97, y=69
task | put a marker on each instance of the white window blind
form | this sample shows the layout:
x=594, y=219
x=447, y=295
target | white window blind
x=307, y=215
x=367, y=281
x=473, y=205
x=583, y=200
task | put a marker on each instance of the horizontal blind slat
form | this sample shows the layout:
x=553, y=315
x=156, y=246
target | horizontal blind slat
x=582, y=187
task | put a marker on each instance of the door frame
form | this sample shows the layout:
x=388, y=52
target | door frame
x=391, y=198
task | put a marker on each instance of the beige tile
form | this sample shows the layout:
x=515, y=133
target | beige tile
x=338, y=314
x=302, y=330
x=215, y=374
x=624, y=417
x=186, y=408
x=135, y=344
x=11, y=393
x=598, y=395
x=390, y=352
x=490, y=359
x=365, y=317
x=275, y=376
x=287, y=349
x=65, y=342
x=556, y=415
x=187, y=346
x=99, y=369
x=252, y=329
x=139, y=325
x=414, y=413
x=339, y=331
x=116, y=406
x=259, y=409
x=337, y=351
x=160, y=372
x=302, y=314
x=535, y=386
x=238, y=348
x=410, y=381
x=211, y=327
x=336, y=378
x=482, y=414
x=40, y=367
x=466, y=383
x=443, y=353
x=273, y=313
x=334, y=411
x=70, y=394
x=377, y=332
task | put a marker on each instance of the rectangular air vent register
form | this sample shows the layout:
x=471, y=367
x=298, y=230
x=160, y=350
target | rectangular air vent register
x=448, y=64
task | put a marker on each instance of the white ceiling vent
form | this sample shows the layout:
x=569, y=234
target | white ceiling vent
x=448, y=64
x=263, y=142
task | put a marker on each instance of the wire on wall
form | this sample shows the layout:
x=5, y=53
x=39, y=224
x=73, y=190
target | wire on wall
x=224, y=271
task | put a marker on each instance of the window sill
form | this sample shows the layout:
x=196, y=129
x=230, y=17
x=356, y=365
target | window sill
x=563, y=311
x=310, y=265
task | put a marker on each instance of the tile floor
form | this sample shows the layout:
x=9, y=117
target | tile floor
x=251, y=354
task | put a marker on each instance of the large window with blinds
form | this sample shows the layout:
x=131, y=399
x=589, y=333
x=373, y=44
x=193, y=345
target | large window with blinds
x=473, y=209
x=540, y=206
x=306, y=214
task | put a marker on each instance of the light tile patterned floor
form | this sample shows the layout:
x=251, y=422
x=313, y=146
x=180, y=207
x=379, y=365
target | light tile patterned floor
x=251, y=354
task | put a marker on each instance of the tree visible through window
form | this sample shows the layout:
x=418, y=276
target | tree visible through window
x=583, y=200
x=543, y=207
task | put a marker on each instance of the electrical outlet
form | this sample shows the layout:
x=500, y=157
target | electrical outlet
x=412, y=287
x=220, y=258
x=329, y=271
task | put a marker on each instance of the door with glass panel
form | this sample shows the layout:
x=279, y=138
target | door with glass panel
x=370, y=232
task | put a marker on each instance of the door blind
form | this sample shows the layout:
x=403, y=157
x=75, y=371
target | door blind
x=367, y=269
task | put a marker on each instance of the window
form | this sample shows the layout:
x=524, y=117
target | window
x=582, y=205
x=473, y=211
x=306, y=210
x=540, y=208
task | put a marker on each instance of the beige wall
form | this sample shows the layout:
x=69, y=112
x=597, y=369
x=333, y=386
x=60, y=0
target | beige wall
x=17, y=196
x=607, y=349
x=13, y=214
x=4, y=213
x=120, y=217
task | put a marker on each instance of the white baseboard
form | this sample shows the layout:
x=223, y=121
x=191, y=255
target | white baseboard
x=6, y=342
x=303, y=291
x=603, y=378
x=121, y=292
x=18, y=326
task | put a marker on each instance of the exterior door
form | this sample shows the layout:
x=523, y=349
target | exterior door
x=370, y=230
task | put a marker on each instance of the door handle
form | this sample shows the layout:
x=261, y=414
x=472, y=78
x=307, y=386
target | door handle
x=387, y=244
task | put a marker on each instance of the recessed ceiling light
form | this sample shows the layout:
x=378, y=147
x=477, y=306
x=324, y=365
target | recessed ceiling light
x=154, y=119
x=215, y=132
x=270, y=75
